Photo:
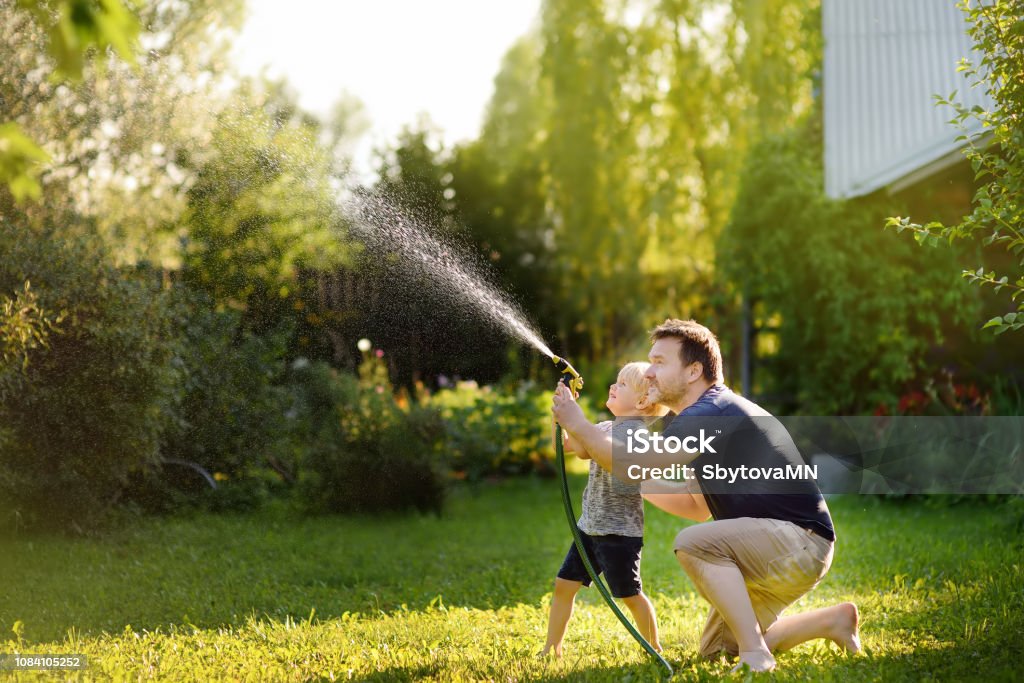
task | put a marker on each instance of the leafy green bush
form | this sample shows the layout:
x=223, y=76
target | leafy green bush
x=231, y=419
x=1006, y=397
x=498, y=432
x=492, y=433
x=233, y=406
x=994, y=152
x=92, y=402
x=24, y=327
x=365, y=453
x=856, y=314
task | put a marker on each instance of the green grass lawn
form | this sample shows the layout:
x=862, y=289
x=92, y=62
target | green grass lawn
x=271, y=596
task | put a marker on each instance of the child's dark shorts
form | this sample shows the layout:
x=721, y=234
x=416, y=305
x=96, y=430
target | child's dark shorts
x=617, y=557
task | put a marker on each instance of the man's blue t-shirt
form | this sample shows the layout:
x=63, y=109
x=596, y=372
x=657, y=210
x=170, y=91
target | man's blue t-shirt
x=755, y=439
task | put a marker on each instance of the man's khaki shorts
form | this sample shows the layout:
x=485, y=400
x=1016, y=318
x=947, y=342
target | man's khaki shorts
x=779, y=560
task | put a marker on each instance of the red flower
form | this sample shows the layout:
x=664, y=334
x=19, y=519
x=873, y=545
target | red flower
x=912, y=401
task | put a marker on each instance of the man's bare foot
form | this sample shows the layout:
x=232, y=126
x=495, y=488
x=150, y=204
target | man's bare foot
x=756, y=660
x=657, y=647
x=845, y=631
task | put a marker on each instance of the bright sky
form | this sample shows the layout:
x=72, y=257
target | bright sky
x=401, y=58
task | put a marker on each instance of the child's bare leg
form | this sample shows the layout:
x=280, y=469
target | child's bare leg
x=643, y=615
x=562, y=602
x=838, y=623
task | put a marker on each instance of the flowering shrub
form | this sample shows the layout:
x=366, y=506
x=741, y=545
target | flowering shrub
x=944, y=396
x=365, y=453
x=495, y=432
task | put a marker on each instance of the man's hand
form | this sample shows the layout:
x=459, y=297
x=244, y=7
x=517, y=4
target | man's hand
x=566, y=411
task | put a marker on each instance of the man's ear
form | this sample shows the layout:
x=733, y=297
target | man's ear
x=695, y=371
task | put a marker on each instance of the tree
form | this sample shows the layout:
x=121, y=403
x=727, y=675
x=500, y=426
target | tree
x=851, y=316
x=261, y=208
x=378, y=296
x=625, y=123
x=120, y=138
x=994, y=153
x=91, y=371
x=501, y=185
x=72, y=30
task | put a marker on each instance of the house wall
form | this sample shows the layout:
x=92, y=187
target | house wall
x=884, y=62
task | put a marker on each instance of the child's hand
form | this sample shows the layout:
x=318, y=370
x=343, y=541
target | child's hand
x=565, y=409
x=576, y=394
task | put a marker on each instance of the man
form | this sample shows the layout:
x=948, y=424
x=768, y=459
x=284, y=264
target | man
x=763, y=550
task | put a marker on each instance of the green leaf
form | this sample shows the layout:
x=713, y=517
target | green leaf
x=996, y=321
x=19, y=161
x=75, y=26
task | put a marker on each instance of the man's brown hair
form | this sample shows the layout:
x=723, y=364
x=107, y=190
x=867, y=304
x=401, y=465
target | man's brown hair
x=697, y=344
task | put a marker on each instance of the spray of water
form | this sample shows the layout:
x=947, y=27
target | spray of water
x=386, y=229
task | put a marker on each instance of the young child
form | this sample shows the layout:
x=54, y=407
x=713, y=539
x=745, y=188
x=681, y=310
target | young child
x=611, y=525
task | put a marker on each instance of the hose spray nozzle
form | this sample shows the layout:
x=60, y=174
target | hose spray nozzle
x=570, y=377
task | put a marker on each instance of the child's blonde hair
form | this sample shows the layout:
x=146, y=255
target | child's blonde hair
x=632, y=374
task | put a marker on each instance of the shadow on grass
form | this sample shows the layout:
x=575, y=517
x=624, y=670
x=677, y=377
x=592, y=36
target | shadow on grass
x=648, y=672
x=498, y=545
x=992, y=663
x=400, y=674
x=994, y=660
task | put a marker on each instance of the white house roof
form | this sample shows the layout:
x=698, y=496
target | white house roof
x=884, y=62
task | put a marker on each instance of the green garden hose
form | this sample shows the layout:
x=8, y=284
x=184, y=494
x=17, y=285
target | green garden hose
x=578, y=540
